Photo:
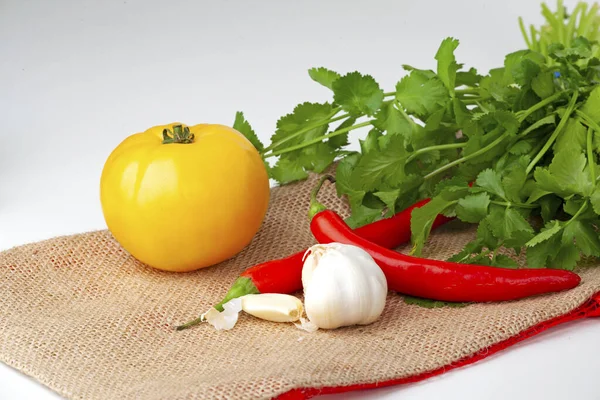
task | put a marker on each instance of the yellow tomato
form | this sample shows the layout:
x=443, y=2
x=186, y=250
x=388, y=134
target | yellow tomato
x=188, y=203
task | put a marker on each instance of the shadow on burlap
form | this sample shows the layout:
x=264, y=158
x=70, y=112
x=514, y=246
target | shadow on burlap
x=86, y=319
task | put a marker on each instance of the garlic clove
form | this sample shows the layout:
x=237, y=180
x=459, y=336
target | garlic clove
x=311, y=261
x=273, y=306
x=225, y=319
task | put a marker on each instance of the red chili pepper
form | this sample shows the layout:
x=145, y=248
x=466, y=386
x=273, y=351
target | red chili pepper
x=442, y=280
x=285, y=274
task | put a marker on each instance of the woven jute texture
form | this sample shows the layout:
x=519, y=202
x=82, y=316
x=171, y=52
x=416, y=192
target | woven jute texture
x=86, y=319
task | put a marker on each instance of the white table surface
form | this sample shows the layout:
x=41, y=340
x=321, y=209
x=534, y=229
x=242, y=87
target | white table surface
x=76, y=77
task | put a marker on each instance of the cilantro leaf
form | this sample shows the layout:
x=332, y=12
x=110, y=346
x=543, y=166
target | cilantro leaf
x=538, y=255
x=586, y=238
x=343, y=172
x=567, y=257
x=434, y=121
x=551, y=229
x=341, y=140
x=504, y=261
x=595, y=200
x=517, y=240
x=241, y=125
x=392, y=121
x=371, y=142
x=303, y=115
x=447, y=66
x=485, y=235
x=473, y=208
x=317, y=157
x=505, y=222
x=490, y=180
x=469, y=78
x=565, y=175
x=572, y=137
x=521, y=147
x=545, y=183
x=425, y=73
x=466, y=253
x=323, y=76
x=591, y=107
x=514, y=181
x=400, y=196
x=287, y=170
x=497, y=86
x=427, y=303
x=357, y=94
x=292, y=130
x=543, y=84
x=374, y=168
x=522, y=66
x=390, y=198
x=422, y=218
x=549, y=119
x=420, y=95
x=362, y=215
x=549, y=205
x=461, y=113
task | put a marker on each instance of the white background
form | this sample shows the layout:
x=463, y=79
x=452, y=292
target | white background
x=77, y=77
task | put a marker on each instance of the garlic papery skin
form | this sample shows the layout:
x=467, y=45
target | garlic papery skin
x=343, y=286
x=226, y=319
x=274, y=307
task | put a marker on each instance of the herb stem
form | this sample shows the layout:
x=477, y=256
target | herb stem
x=534, y=42
x=535, y=107
x=469, y=157
x=586, y=24
x=470, y=101
x=512, y=204
x=386, y=94
x=559, y=128
x=434, y=148
x=590, y=154
x=573, y=20
x=524, y=33
x=310, y=127
x=318, y=139
x=588, y=120
x=483, y=108
x=404, y=114
x=561, y=23
x=467, y=91
x=577, y=214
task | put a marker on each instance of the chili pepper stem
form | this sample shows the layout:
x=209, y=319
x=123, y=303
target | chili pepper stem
x=241, y=287
x=189, y=324
x=315, y=206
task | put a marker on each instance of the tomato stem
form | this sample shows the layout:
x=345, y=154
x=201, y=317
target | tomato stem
x=178, y=135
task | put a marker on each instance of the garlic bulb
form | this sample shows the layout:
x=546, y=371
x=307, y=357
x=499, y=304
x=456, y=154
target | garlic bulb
x=342, y=286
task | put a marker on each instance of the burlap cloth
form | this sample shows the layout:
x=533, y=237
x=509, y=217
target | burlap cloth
x=86, y=319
